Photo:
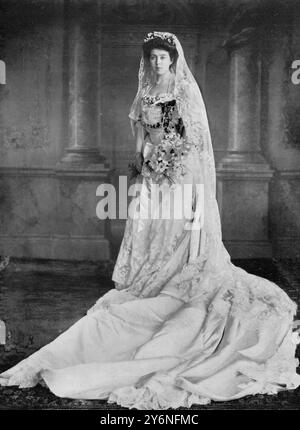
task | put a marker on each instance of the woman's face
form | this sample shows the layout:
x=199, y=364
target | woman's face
x=160, y=61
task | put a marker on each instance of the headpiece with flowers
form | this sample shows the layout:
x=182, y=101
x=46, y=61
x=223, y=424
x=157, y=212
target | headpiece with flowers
x=169, y=37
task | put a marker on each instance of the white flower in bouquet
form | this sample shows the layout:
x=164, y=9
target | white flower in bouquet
x=165, y=161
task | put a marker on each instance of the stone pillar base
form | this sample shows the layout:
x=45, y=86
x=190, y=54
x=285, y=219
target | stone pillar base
x=242, y=160
x=61, y=222
x=82, y=156
x=243, y=198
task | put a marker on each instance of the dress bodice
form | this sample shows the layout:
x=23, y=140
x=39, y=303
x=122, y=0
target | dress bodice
x=159, y=115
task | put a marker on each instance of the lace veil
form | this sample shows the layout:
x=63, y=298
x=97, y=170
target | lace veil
x=207, y=243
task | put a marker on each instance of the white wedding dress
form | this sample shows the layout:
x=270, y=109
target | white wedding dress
x=175, y=332
x=184, y=325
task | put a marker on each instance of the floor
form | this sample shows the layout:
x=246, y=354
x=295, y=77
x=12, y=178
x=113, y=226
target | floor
x=40, y=299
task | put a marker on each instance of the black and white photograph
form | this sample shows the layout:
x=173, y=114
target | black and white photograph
x=149, y=207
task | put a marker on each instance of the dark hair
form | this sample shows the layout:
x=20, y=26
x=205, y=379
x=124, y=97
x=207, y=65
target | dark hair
x=159, y=43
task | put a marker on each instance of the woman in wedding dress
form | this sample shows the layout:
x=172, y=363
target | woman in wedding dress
x=184, y=325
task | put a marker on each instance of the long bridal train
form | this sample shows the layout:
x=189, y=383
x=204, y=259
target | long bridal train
x=184, y=325
x=155, y=353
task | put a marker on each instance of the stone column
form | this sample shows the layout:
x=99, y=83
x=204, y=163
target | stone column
x=83, y=64
x=244, y=174
x=80, y=234
x=244, y=101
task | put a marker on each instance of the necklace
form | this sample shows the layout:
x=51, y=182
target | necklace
x=168, y=87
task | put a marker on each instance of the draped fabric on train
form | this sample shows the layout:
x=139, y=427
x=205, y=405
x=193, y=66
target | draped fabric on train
x=184, y=325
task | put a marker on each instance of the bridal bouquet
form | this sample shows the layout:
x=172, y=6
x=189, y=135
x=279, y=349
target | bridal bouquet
x=165, y=160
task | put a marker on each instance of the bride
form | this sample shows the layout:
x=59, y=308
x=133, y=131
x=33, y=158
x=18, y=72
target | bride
x=184, y=325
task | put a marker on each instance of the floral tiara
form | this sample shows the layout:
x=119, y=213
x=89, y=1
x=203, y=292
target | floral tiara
x=162, y=35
